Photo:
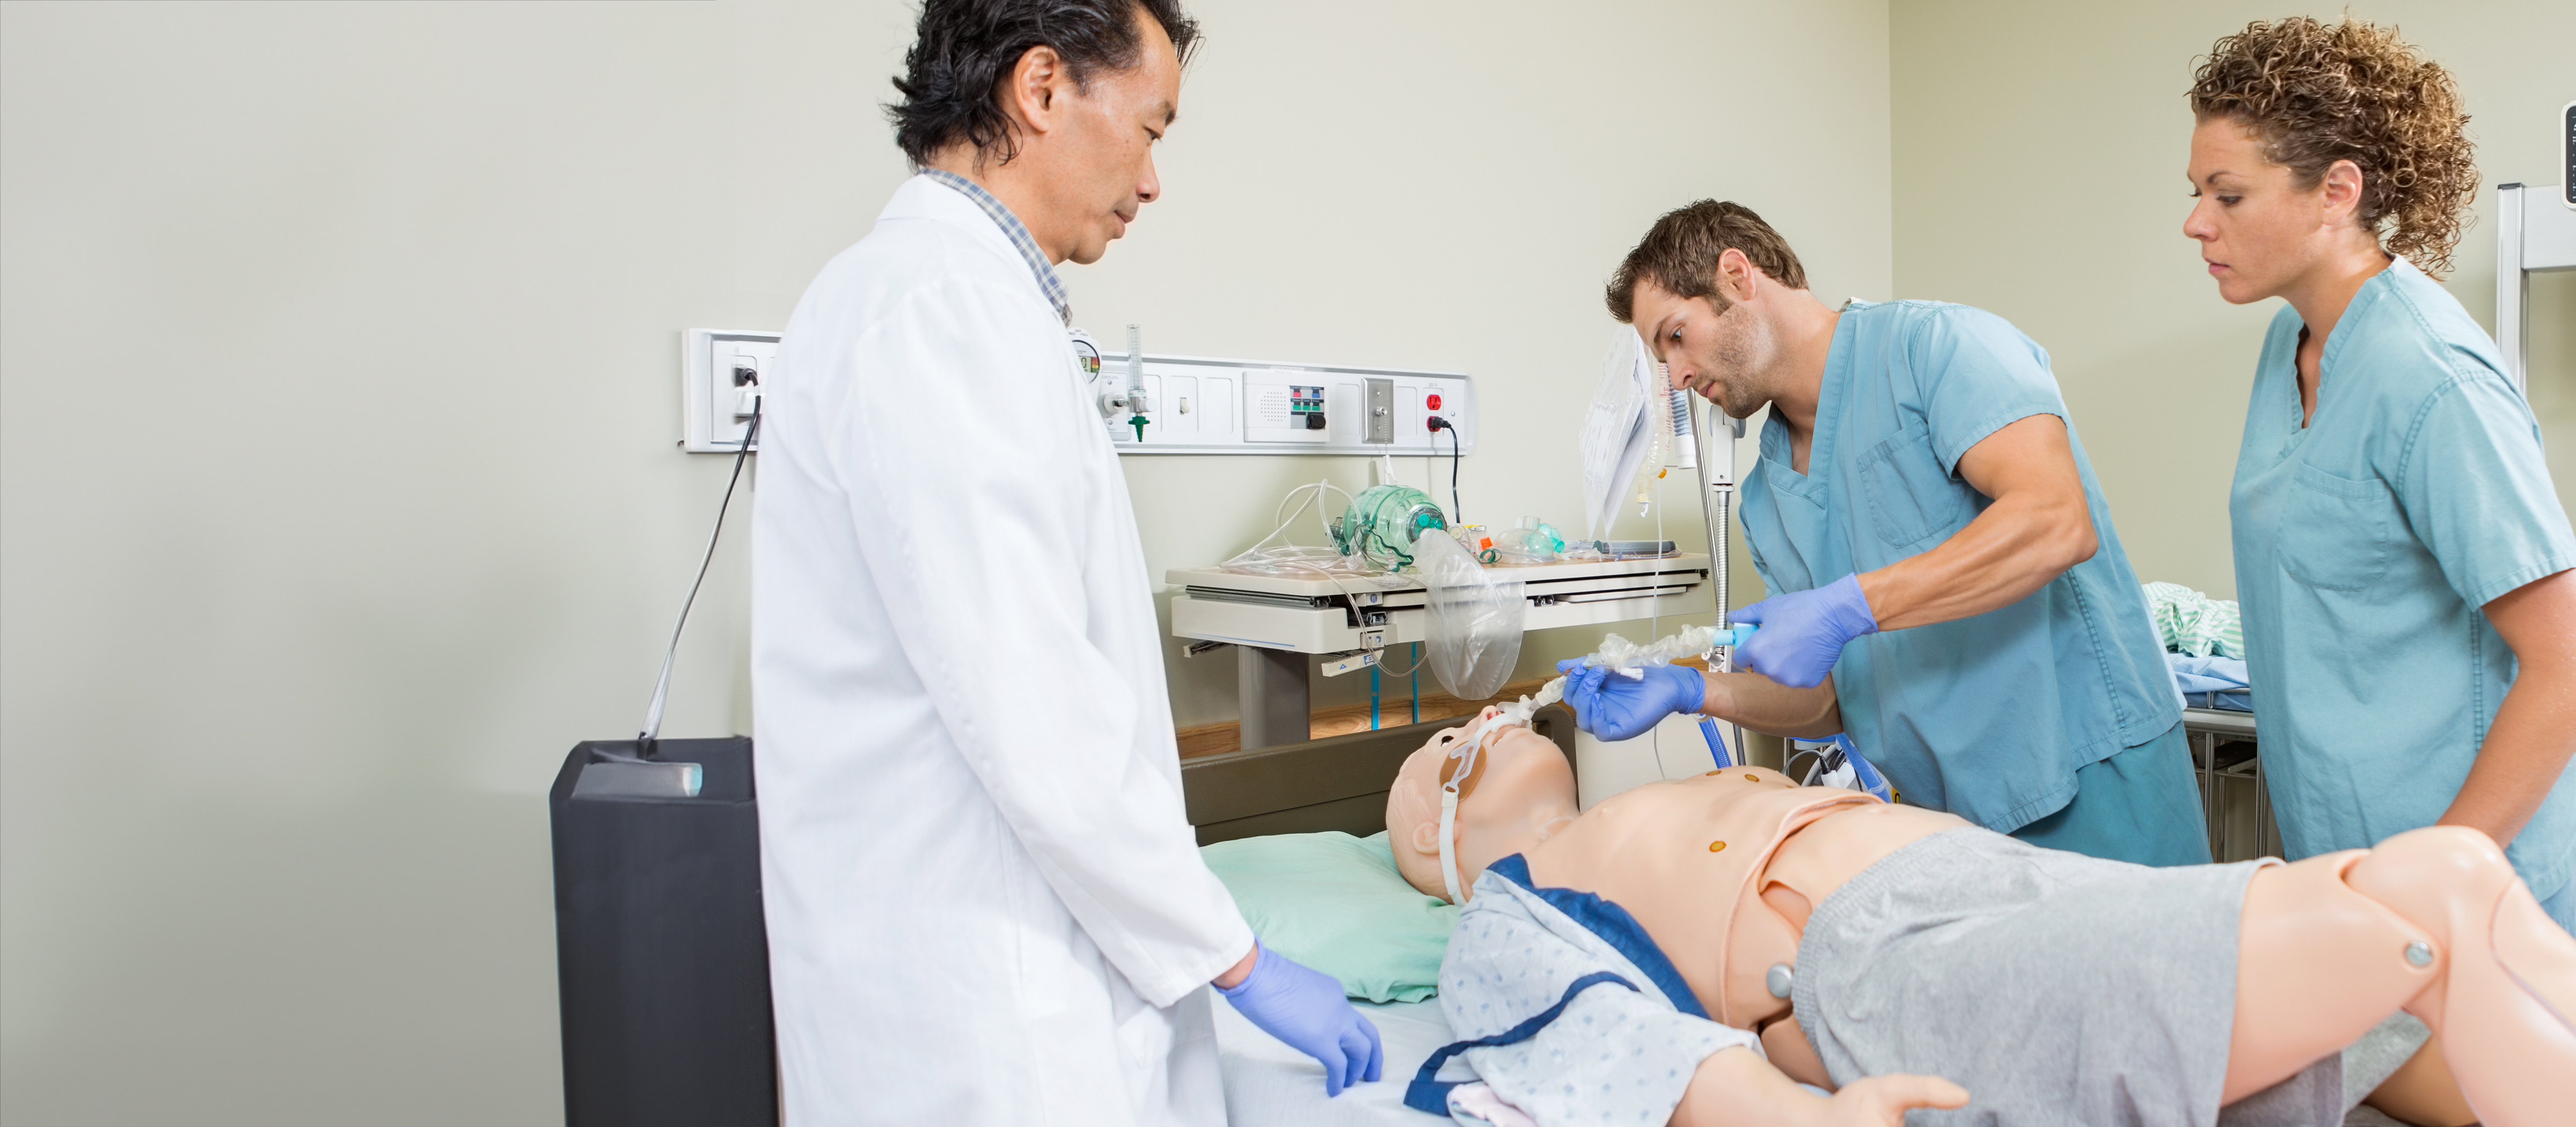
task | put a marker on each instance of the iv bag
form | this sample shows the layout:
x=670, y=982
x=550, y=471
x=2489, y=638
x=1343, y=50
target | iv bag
x=1474, y=627
x=1619, y=430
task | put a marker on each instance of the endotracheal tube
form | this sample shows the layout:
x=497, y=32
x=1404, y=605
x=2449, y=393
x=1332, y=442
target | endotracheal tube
x=1623, y=657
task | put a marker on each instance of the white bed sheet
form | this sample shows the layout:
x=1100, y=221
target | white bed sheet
x=1268, y=1084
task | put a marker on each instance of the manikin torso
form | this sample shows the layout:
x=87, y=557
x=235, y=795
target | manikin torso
x=2329, y=946
x=1722, y=870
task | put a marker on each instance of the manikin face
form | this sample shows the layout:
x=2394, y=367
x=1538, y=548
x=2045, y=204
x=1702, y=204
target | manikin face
x=1095, y=164
x=2259, y=232
x=1718, y=355
x=1519, y=790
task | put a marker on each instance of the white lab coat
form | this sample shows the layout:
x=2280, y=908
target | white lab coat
x=985, y=904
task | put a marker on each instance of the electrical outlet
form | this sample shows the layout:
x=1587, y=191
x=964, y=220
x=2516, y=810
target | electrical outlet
x=721, y=376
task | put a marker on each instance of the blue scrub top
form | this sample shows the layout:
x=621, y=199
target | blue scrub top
x=2366, y=543
x=1987, y=717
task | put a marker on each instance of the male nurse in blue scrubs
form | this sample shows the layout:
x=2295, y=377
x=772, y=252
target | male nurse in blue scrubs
x=1946, y=586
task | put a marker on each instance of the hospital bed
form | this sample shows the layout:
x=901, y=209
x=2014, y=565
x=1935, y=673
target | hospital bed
x=1339, y=783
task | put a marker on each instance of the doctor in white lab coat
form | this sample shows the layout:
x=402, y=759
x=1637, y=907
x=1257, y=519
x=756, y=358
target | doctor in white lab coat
x=985, y=904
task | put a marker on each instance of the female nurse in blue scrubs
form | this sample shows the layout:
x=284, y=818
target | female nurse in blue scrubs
x=2401, y=556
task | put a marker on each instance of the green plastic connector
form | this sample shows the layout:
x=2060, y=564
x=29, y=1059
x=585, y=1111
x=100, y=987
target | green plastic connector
x=1138, y=422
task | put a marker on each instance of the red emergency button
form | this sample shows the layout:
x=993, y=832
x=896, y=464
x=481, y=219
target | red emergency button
x=1432, y=403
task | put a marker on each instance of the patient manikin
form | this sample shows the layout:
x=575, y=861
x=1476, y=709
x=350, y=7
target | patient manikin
x=1725, y=873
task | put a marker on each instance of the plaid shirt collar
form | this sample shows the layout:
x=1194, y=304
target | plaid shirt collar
x=1015, y=231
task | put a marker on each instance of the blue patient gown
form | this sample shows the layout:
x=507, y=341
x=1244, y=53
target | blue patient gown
x=2366, y=542
x=2053, y=717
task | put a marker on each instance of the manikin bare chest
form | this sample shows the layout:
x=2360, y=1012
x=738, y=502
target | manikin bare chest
x=1689, y=860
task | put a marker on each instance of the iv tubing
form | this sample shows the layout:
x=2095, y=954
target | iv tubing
x=1135, y=363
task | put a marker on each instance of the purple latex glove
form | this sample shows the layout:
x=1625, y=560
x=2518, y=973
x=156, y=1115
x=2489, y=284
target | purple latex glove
x=1616, y=707
x=1803, y=632
x=1304, y=1008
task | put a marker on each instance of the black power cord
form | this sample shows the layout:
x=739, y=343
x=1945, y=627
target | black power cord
x=662, y=687
x=1437, y=423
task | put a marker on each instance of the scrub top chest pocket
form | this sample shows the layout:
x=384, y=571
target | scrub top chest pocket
x=1911, y=497
x=2335, y=531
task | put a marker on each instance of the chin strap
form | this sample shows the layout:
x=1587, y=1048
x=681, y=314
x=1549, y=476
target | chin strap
x=1449, y=851
x=1470, y=746
x=1469, y=750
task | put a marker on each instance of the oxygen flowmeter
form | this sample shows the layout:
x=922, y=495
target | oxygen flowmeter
x=1118, y=396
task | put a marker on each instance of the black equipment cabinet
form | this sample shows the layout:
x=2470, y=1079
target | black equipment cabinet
x=661, y=952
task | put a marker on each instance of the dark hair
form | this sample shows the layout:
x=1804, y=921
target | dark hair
x=2316, y=93
x=964, y=52
x=1679, y=255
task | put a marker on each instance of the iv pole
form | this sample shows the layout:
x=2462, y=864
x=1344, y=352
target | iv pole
x=1715, y=434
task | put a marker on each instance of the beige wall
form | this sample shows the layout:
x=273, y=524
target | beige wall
x=2039, y=174
x=337, y=488
x=1457, y=222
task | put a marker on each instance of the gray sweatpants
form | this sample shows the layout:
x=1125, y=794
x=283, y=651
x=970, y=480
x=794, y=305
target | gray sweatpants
x=2057, y=988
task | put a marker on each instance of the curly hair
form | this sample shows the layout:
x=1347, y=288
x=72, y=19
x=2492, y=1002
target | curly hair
x=964, y=50
x=2315, y=94
x=1679, y=255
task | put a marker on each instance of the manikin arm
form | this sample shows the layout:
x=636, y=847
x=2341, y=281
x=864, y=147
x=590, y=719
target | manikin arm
x=1769, y=707
x=1735, y=1086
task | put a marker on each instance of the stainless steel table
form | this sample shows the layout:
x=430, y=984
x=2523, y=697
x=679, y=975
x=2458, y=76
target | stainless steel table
x=2207, y=728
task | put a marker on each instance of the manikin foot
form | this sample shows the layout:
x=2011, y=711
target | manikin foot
x=2503, y=991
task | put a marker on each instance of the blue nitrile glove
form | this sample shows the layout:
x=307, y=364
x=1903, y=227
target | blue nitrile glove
x=1803, y=632
x=1304, y=1008
x=1616, y=707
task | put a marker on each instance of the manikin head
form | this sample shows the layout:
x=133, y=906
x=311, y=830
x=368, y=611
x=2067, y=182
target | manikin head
x=1517, y=790
x=1052, y=105
x=1706, y=288
x=2312, y=140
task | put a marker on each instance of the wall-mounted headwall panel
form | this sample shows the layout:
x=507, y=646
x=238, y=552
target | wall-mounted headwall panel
x=1193, y=404
x=1201, y=405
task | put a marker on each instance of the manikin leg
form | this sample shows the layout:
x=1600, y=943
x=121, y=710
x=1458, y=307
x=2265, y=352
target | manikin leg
x=2432, y=921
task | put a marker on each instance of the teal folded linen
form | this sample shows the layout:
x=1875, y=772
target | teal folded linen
x=2188, y=622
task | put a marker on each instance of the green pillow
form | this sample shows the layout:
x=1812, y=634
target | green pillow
x=1335, y=903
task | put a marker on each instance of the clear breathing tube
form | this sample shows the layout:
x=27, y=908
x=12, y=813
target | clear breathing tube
x=1622, y=657
x=1331, y=563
